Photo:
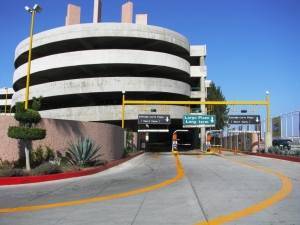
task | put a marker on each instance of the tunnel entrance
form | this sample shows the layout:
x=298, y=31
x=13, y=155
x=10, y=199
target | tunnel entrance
x=162, y=141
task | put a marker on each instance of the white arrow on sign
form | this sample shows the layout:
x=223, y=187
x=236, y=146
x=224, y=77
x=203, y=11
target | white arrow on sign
x=167, y=119
x=212, y=120
x=257, y=119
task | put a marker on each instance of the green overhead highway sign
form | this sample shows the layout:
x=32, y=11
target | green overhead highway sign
x=190, y=120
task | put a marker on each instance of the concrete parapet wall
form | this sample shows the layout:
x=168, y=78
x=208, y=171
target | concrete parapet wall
x=198, y=50
x=198, y=71
x=198, y=94
x=106, y=84
x=103, y=57
x=103, y=30
x=110, y=137
x=111, y=112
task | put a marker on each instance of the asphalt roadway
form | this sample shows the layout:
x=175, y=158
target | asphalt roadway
x=160, y=188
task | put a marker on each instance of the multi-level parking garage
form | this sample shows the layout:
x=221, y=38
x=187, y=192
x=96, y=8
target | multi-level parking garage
x=81, y=71
x=5, y=100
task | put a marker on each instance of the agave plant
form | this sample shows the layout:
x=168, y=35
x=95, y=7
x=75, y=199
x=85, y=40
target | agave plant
x=83, y=153
x=297, y=153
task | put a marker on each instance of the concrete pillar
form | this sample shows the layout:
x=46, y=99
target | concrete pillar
x=202, y=61
x=141, y=19
x=202, y=107
x=236, y=141
x=243, y=142
x=253, y=144
x=224, y=143
x=127, y=10
x=229, y=142
x=97, y=11
x=73, y=15
x=268, y=140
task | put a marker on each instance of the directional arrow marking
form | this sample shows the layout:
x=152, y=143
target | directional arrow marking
x=212, y=120
x=167, y=119
x=257, y=119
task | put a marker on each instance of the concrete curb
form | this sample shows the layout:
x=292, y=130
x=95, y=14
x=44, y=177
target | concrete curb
x=288, y=158
x=35, y=179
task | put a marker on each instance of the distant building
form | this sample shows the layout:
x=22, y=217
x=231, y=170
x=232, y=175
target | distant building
x=5, y=100
x=82, y=69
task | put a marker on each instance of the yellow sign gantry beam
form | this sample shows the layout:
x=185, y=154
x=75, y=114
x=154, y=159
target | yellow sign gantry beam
x=149, y=102
x=138, y=102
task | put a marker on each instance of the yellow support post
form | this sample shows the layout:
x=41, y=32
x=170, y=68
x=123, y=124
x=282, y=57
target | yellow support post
x=29, y=60
x=268, y=111
x=123, y=108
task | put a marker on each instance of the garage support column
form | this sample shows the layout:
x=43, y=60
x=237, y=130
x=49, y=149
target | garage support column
x=253, y=142
x=229, y=143
x=236, y=141
x=203, y=108
x=224, y=143
x=243, y=142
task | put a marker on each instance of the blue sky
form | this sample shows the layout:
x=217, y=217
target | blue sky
x=253, y=46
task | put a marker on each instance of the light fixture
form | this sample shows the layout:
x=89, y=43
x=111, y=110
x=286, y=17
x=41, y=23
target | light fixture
x=37, y=8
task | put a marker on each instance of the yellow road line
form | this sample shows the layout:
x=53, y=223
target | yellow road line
x=179, y=176
x=286, y=188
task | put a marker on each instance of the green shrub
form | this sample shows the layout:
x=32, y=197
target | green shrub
x=271, y=150
x=27, y=133
x=20, y=163
x=277, y=150
x=297, y=153
x=6, y=164
x=37, y=102
x=129, y=151
x=70, y=168
x=36, y=157
x=27, y=116
x=13, y=173
x=49, y=154
x=83, y=153
x=96, y=163
x=46, y=169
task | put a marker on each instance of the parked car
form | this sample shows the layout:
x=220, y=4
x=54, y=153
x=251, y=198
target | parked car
x=282, y=143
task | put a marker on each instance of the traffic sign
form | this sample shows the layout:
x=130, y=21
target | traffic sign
x=243, y=119
x=154, y=119
x=190, y=120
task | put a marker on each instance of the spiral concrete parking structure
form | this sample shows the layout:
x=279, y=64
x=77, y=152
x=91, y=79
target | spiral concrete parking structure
x=81, y=71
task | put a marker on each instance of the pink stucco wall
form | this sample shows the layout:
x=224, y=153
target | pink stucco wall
x=110, y=137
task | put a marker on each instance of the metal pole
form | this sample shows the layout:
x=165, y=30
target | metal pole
x=268, y=112
x=29, y=60
x=123, y=107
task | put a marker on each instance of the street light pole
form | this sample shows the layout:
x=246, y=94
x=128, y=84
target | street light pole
x=36, y=9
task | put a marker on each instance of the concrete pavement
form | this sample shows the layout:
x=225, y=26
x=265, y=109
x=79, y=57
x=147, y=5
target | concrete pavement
x=159, y=188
